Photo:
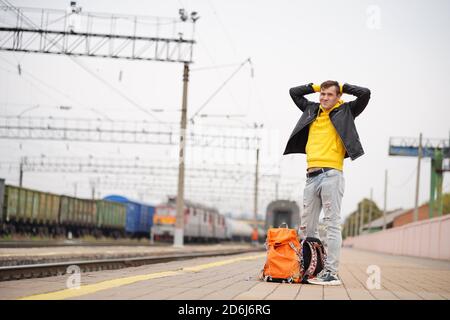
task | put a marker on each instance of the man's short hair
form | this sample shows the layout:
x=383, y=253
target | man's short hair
x=330, y=83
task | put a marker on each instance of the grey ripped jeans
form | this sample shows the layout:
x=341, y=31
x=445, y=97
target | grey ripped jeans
x=325, y=191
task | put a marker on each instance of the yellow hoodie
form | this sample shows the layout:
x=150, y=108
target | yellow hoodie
x=324, y=147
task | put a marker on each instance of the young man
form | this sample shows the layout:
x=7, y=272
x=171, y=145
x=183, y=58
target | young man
x=326, y=132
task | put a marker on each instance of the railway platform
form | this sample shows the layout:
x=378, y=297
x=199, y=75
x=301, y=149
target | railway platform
x=365, y=276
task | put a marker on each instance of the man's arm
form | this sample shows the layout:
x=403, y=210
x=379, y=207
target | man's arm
x=362, y=98
x=298, y=93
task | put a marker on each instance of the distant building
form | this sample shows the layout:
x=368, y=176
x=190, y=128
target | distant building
x=408, y=216
x=377, y=224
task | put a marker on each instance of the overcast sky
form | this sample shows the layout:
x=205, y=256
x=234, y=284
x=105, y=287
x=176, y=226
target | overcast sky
x=398, y=49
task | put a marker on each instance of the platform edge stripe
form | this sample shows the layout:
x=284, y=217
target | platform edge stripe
x=104, y=285
x=109, y=284
x=221, y=263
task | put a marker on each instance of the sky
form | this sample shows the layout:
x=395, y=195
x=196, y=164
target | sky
x=397, y=49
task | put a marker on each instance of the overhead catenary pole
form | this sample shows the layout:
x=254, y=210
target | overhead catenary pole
x=361, y=217
x=346, y=227
x=179, y=222
x=438, y=157
x=92, y=189
x=255, y=204
x=75, y=189
x=349, y=227
x=21, y=173
x=385, y=198
x=370, y=210
x=416, y=202
x=2, y=192
x=352, y=224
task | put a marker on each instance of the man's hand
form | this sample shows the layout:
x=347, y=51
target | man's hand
x=316, y=87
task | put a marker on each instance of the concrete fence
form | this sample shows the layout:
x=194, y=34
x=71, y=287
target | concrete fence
x=427, y=238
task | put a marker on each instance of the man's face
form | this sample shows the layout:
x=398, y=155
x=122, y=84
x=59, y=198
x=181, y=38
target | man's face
x=329, y=97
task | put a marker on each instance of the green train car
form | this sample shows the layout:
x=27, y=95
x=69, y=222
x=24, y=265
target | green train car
x=23, y=210
x=30, y=206
x=77, y=212
x=111, y=216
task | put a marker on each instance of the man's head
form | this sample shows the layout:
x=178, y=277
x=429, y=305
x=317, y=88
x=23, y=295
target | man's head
x=330, y=93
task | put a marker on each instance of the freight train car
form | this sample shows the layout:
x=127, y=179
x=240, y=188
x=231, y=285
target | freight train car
x=111, y=218
x=81, y=217
x=139, y=216
x=32, y=212
x=77, y=216
x=29, y=211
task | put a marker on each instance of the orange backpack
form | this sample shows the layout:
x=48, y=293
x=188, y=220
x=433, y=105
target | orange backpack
x=283, y=262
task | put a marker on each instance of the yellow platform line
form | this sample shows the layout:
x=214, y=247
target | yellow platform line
x=109, y=284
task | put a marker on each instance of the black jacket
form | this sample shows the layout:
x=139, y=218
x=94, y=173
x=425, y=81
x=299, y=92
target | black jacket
x=342, y=119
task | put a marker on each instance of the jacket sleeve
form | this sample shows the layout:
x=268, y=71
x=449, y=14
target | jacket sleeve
x=362, y=98
x=298, y=93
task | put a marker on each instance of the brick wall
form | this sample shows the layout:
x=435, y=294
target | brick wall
x=407, y=217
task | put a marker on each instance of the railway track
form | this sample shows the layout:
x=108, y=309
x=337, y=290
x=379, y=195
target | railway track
x=60, y=268
x=69, y=243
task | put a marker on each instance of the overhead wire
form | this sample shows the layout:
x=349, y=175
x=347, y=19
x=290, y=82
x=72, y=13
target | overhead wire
x=48, y=86
x=401, y=185
x=217, y=70
x=215, y=67
x=230, y=41
x=218, y=89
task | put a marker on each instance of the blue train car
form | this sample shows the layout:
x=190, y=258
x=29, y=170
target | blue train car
x=139, y=215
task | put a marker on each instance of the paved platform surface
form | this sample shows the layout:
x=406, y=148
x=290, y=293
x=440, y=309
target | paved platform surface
x=235, y=277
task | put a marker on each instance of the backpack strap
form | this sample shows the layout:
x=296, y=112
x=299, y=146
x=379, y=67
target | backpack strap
x=297, y=251
x=313, y=263
x=322, y=254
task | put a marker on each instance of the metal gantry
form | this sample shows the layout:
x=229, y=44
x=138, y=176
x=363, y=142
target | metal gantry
x=132, y=132
x=76, y=33
x=132, y=166
x=437, y=150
